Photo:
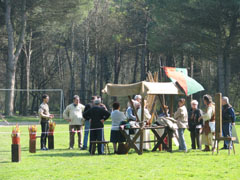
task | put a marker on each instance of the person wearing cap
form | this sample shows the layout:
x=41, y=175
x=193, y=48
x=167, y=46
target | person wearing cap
x=97, y=116
x=87, y=123
x=44, y=118
x=194, y=125
x=73, y=114
x=208, y=118
x=228, y=120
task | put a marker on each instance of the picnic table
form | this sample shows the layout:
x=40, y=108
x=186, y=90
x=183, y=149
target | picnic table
x=131, y=141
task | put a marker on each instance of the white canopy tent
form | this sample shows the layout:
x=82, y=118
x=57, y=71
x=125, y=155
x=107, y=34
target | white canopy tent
x=143, y=88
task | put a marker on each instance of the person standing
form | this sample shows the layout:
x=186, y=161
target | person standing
x=87, y=123
x=208, y=122
x=44, y=118
x=117, y=118
x=181, y=115
x=228, y=120
x=97, y=116
x=73, y=114
x=194, y=125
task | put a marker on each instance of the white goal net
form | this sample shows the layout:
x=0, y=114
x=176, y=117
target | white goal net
x=27, y=105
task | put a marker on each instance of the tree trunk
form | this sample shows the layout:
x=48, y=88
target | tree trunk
x=221, y=73
x=13, y=54
x=135, y=66
x=27, y=48
x=144, y=49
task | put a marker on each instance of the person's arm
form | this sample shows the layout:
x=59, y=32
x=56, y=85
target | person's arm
x=123, y=117
x=87, y=114
x=208, y=115
x=178, y=113
x=41, y=113
x=147, y=114
x=66, y=113
x=233, y=116
x=130, y=114
x=106, y=115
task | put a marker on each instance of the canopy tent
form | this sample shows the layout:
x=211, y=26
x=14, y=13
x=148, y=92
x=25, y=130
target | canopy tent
x=143, y=88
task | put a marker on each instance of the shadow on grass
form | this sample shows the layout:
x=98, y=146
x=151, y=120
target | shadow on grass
x=5, y=162
x=71, y=154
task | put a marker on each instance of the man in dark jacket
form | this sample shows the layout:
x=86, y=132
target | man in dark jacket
x=194, y=125
x=87, y=124
x=228, y=120
x=97, y=116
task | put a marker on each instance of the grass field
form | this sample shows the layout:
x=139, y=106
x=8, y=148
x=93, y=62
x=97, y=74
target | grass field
x=62, y=163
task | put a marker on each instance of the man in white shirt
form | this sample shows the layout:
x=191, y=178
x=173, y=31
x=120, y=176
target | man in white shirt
x=73, y=114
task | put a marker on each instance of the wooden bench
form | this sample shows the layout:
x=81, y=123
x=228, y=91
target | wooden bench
x=105, y=143
x=218, y=139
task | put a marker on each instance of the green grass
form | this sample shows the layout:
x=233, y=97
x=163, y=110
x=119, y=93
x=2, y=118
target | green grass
x=75, y=164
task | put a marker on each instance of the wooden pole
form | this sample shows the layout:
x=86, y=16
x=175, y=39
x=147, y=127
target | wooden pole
x=32, y=145
x=142, y=125
x=162, y=105
x=218, y=115
x=16, y=152
x=171, y=105
x=50, y=142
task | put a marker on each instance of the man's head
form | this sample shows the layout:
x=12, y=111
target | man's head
x=93, y=98
x=45, y=98
x=96, y=102
x=194, y=104
x=138, y=98
x=76, y=99
x=225, y=100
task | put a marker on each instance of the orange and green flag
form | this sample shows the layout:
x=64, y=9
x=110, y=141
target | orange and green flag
x=180, y=77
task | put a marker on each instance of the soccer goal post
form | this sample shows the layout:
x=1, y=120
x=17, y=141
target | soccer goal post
x=56, y=102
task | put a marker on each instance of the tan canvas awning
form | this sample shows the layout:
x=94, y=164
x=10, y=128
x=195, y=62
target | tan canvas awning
x=143, y=88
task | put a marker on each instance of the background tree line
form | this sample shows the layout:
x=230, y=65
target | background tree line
x=80, y=45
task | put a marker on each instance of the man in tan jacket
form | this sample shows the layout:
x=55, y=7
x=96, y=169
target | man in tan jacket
x=73, y=114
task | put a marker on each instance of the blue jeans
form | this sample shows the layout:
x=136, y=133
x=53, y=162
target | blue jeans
x=182, y=143
x=86, y=132
x=227, y=131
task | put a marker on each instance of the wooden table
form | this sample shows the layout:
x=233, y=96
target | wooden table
x=131, y=142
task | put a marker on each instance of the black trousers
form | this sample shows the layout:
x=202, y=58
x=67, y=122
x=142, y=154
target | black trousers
x=97, y=135
x=45, y=127
x=195, y=138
